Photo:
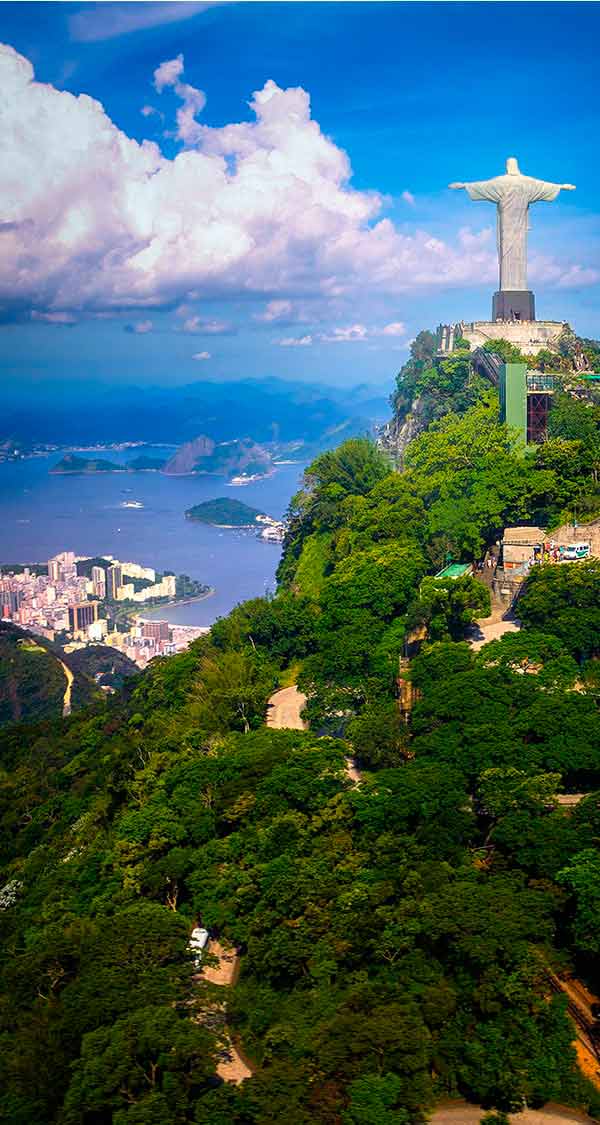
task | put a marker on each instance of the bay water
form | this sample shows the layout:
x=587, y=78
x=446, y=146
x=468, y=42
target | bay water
x=42, y=514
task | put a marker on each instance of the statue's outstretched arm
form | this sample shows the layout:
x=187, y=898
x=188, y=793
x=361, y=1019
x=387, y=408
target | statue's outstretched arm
x=568, y=187
x=456, y=185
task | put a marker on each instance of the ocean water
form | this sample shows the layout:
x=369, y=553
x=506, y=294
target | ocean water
x=41, y=514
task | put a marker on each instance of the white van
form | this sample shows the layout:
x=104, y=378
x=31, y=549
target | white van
x=574, y=551
x=197, y=944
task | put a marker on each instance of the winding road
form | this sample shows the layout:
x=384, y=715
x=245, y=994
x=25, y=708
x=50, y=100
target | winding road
x=284, y=709
x=461, y=1113
x=284, y=712
x=68, y=690
x=231, y=1065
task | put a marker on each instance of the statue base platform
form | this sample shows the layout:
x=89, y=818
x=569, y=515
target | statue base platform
x=512, y=305
x=530, y=336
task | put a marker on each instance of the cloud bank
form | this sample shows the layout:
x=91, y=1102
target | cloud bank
x=107, y=21
x=93, y=221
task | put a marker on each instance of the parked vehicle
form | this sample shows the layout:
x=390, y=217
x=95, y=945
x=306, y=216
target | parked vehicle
x=572, y=552
x=197, y=944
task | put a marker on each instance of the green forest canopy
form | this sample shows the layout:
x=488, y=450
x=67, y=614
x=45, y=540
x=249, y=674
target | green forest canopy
x=395, y=936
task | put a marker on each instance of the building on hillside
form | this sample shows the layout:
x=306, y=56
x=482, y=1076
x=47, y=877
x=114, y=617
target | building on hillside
x=134, y=570
x=114, y=578
x=525, y=401
x=125, y=592
x=521, y=545
x=81, y=617
x=529, y=336
x=99, y=582
x=54, y=569
x=98, y=629
x=11, y=602
x=156, y=630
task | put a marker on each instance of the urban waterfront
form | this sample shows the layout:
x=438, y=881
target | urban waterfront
x=85, y=514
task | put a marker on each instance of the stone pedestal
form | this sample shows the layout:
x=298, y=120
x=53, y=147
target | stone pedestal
x=531, y=336
x=513, y=305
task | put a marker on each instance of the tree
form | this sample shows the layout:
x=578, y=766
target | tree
x=573, y=420
x=565, y=600
x=351, y=469
x=232, y=690
x=148, y=1068
x=372, y=1101
x=582, y=877
x=378, y=735
x=380, y=580
x=531, y=651
x=508, y=352
x=448, y=606
x=502, y=790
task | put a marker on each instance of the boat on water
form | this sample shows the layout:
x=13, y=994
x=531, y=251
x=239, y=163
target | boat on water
x=132, y=504
x=247, y=478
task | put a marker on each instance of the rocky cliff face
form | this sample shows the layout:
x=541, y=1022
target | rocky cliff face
x=398, y=433
x=189, y=455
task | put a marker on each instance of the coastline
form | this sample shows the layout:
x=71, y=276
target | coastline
x=225, y=526
x=176, y=602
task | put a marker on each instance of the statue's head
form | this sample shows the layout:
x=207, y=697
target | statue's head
x=512, y=167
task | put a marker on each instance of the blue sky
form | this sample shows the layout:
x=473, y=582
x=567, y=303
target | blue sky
x=283, y=239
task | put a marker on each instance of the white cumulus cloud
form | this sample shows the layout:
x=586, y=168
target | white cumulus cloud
x=201, y=355
x=168, y=73
x=92, y=221
x=198, y=327
x=295, y=342
x=354, y=333
x=57, y=318
x=275, y=310
x=396, y=328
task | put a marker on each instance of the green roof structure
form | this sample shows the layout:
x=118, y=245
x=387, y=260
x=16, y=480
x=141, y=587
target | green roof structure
x=454, y=570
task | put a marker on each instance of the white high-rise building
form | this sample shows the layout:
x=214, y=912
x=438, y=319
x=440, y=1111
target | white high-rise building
x=99, y=581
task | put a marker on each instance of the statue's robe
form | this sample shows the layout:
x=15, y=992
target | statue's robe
x=513, y=195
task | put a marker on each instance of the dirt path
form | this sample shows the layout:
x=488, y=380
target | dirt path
x=231, y=1066
x=489, y=629
x=569, y=800
x=352, y=771
x=283, y=713
x=461, y=1113
x=283, y=709
x=68, y=690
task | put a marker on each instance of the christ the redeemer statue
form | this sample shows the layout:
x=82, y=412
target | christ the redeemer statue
x=513, y=193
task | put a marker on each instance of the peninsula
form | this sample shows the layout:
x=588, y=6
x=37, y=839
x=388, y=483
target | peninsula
x=224, y=512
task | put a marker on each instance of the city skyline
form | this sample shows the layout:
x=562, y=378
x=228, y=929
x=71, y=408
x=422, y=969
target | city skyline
x=75, y=610
x=201, y=217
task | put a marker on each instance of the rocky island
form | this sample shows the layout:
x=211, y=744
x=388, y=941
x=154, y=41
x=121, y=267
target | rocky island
x=223, y=512
x=71, y=464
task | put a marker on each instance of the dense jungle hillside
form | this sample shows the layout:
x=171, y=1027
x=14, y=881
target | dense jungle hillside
x=429, y=386
x=33, y=680
x=396, y=933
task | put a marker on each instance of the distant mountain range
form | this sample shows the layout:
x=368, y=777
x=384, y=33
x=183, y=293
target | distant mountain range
x=270, y=410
